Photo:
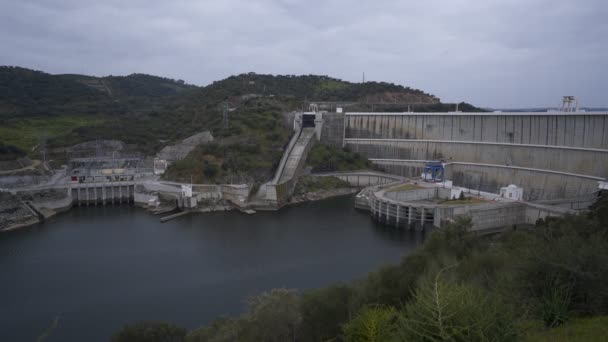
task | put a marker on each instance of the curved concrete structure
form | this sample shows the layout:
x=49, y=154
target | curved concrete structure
x=550, y=155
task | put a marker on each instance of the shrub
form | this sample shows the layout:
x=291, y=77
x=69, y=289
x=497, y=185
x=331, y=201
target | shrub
x=372, y=324
x=448, y=311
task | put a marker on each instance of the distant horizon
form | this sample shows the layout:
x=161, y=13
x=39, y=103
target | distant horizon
x=492, y=54
x=534, y=107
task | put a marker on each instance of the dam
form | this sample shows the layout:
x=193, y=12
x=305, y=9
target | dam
x=550, y=155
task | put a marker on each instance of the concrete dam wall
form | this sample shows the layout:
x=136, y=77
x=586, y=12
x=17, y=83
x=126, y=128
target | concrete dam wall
x=551, y=155
x=551, y=129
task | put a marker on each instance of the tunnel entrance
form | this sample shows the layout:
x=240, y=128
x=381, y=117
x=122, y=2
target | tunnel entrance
x=308, y=120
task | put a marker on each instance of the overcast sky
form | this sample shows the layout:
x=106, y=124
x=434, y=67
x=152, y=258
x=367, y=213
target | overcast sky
x=511, y=53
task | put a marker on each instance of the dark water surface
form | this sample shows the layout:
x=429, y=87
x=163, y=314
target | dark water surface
x=99, y=268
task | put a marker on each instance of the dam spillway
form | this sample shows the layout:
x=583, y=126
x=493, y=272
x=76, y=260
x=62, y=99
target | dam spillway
x=102, y=193
x=551, y=155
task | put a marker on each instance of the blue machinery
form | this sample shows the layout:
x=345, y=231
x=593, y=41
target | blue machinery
x=434, y=172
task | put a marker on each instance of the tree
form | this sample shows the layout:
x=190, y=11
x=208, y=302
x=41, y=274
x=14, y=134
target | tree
x=220, y=330
x=210, y=170
x=324, y=311
x=273, y=317
x=150, y=331
x=447, y=311
x=372, y=324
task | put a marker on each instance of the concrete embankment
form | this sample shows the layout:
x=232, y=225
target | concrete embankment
x=281, y=188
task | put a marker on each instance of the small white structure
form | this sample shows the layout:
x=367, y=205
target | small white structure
x=448, y=184
x=339, y=110
x=602, y=185
x=512, y=192
x=153, y=202
x=187, y=190
x=186, y=201
x=160, y=166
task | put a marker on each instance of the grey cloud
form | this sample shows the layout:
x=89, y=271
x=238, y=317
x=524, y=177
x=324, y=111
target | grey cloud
x=490, y=53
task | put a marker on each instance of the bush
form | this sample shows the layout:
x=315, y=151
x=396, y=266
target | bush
x=273, y=316
x=555, y=304
x=323, y=158
x=210, y=170
x=448, y=311
x=372, y=324
x=324, y=311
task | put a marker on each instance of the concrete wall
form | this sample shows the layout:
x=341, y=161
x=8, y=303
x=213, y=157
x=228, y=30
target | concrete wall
x=573, y=160
x=495, y=215
x=537, y=184
x=412, y=195
x=332, y=133
x=550, y=155
x=404, y=168
x=556, y=129
x=576, y=203
x=536, y=211
x=362, y=178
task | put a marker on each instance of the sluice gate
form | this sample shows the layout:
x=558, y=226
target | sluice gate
x=85, y=194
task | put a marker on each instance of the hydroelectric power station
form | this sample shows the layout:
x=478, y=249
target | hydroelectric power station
x=499, y=168
x=557, y=161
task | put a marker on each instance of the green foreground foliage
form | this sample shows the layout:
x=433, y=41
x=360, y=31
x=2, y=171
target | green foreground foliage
x=543, y=284
x=592, y=329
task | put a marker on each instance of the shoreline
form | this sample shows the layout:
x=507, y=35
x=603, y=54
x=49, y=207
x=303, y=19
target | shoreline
x=321, y=195
x=49, y=212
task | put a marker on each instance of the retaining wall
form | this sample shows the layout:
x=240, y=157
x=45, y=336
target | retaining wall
x=362, y=178
x=573, y=160
x=413, y=195
x=332, y=133
x=537, y=184
x=555, y=129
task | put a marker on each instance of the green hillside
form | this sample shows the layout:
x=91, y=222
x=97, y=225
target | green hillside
x=149, y=112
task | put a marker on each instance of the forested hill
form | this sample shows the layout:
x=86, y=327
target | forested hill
x=33, y=93
x=149, y=111
x=25, y=92
x=317, y=88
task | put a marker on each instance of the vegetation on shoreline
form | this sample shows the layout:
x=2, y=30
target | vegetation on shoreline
x=307, y=184
x=539, y=284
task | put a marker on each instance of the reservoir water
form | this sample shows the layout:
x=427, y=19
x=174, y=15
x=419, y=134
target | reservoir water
x=96, y=269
